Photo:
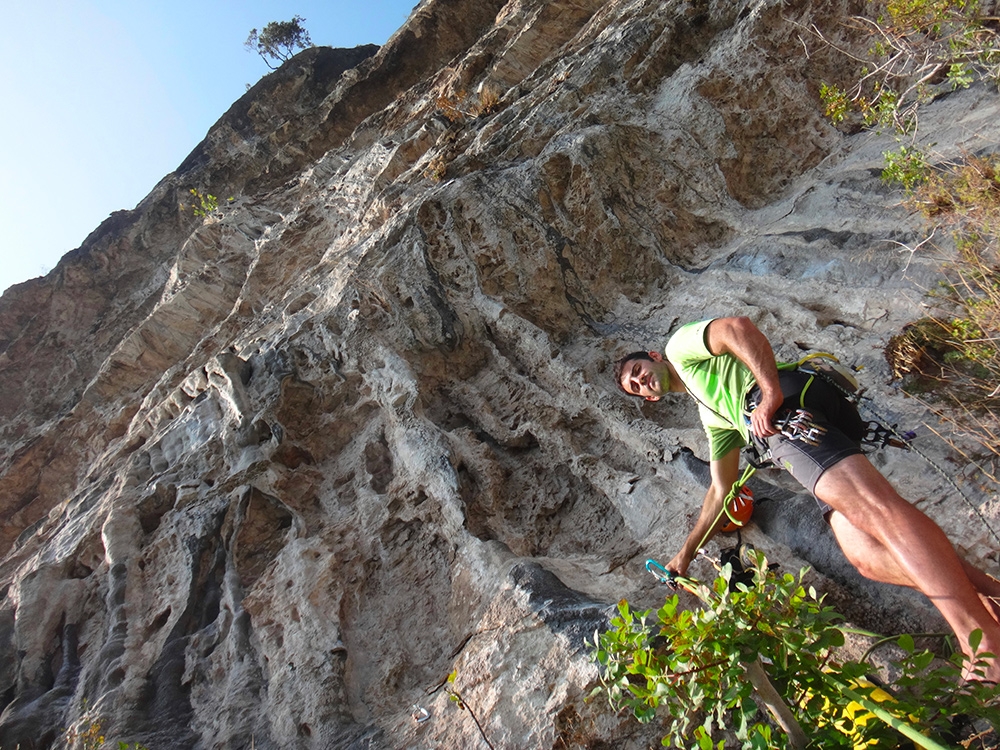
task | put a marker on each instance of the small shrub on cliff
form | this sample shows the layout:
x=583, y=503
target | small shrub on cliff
x=451, y=107
x=487, y=102
x=279, y=40
x=205, y=203
x=437, y=168
x=907, y=166
x=456, y=109
x=918, y=45
x=90, y=738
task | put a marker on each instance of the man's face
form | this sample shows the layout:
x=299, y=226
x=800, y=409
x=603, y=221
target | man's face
x=647, y=378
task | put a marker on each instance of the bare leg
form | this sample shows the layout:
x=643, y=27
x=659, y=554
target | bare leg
x=874, y=561
x=921, y=552
x=988, y=588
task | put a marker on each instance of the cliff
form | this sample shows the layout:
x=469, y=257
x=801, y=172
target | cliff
x=269, y=476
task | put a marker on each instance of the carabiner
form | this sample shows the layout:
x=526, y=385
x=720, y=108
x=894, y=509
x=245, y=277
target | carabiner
x=661, y=573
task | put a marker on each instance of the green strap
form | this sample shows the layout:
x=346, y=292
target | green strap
x=733, y=491
x=802, y=394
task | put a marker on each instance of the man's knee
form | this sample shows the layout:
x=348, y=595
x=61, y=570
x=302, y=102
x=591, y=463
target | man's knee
x=866, y=553
x=857, y=489
x=862, y=566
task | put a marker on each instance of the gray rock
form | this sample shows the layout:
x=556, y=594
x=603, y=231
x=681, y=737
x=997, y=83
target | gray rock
x=269, y=477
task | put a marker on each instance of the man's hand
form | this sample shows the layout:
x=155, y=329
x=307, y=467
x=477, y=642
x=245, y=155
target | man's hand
x=679, y=564
x=762, y=418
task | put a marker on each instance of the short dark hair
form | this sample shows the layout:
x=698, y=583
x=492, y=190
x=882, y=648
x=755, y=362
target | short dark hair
x=620, y=367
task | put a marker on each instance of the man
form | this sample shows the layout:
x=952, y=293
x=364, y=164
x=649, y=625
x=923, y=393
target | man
x=728, y=366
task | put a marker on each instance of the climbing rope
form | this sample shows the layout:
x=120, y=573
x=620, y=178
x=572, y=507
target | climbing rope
x=725, y=511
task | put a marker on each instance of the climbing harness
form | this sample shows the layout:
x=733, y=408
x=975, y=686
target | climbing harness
x=799, y=424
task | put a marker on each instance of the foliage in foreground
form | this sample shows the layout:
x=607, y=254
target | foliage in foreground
x=690, y=669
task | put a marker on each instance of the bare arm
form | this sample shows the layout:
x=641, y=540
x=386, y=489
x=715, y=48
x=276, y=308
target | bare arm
x=743, y=340
x=725, y=473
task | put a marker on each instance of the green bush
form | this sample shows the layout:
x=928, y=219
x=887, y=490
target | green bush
x=917, y=46
x=694, y=670
x=205, y=203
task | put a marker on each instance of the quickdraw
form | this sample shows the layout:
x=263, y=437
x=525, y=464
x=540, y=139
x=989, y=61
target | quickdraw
x=799, y=425
x=880, y=436
x=673, y=580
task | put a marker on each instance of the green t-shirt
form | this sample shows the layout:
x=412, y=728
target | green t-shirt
x=719, y=383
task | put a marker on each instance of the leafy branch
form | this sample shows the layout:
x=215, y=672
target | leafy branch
x=701, y=672
x=917, y=46
x=205, y=203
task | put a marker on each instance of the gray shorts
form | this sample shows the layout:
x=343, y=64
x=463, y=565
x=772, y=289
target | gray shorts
x=839, y=435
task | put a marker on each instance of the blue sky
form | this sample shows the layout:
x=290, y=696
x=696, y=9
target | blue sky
x=102, y=98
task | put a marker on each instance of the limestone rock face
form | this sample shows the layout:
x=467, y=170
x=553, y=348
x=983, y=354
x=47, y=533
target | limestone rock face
x=270, y=476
